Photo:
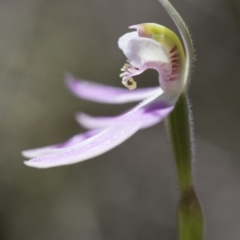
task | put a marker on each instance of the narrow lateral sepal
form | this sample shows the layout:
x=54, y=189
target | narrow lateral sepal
x=190, y=217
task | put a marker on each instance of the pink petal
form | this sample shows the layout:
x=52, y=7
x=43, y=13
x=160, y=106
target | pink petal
x=92, y=147
x=144, y=119
x=106, y=94
x=125, y=126
x=36, y=152
x=147, y=113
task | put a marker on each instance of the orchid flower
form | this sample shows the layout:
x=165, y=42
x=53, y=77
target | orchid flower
x=149, y=46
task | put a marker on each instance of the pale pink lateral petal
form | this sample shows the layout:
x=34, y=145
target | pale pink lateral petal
x=36, y=152
x=106, y=94
x=158, y=105
x=90, y=148
x=146, y=113
x=145, y=119
x=88, y=121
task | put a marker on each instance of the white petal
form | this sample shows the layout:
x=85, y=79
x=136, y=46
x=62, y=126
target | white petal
x=124, y=40
x=145, y=52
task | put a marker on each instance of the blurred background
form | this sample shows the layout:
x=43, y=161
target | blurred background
x=131, y=191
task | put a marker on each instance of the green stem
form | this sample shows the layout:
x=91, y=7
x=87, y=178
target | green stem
x=190, y=218
x=179, y=132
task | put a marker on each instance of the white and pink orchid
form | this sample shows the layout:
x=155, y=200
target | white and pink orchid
x=150, y=46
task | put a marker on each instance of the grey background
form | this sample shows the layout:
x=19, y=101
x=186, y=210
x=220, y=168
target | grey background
x=131, y=191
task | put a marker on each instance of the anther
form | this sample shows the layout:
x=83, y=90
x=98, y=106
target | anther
x=130, y=86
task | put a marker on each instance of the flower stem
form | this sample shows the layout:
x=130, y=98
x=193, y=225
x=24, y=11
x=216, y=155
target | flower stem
x=190, y=218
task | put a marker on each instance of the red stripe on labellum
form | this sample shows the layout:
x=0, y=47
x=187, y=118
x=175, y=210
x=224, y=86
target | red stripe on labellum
x=174, y=56
x=173, y=49
x=174, y=61
x=171, y=79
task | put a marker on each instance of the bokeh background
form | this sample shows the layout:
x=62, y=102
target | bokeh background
x=131, y=191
